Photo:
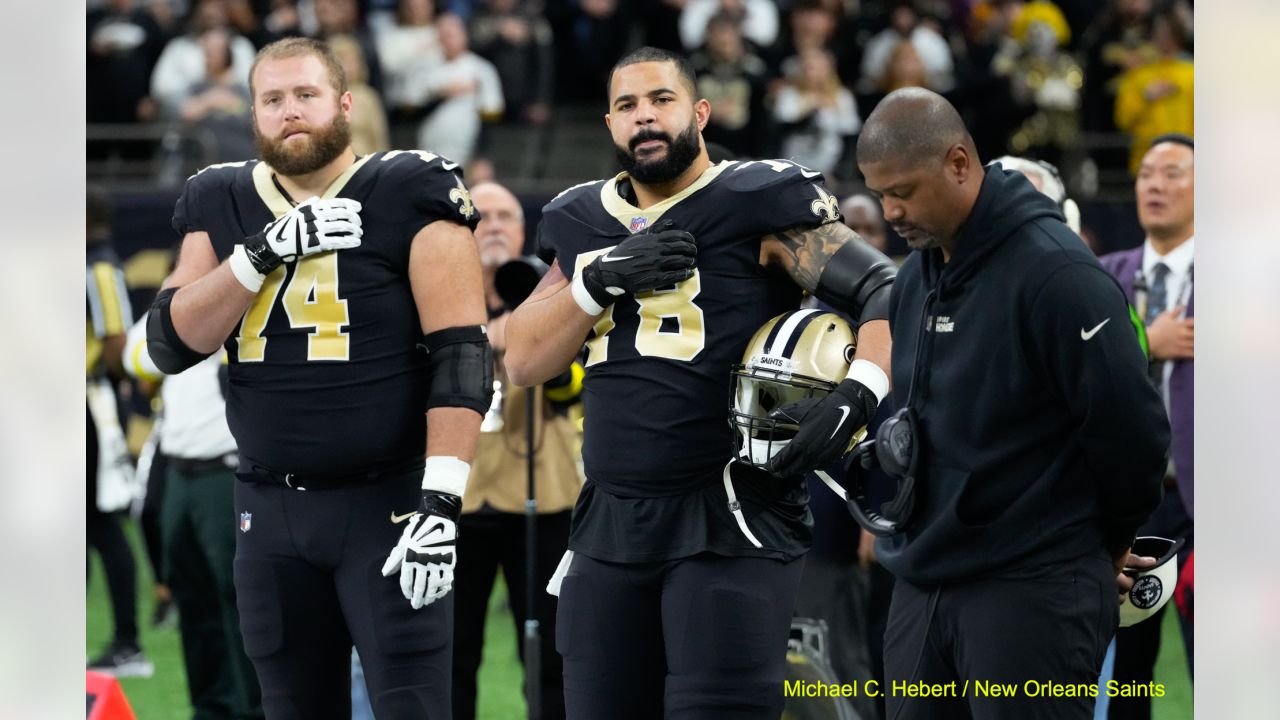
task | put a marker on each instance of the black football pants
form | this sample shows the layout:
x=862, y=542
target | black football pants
x=702, y=638
x=1049, y=625
x=309, y=582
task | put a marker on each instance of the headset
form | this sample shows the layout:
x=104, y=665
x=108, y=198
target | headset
x=896, y=451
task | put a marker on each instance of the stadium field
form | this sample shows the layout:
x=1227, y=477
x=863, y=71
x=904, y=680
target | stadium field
x=164, y=696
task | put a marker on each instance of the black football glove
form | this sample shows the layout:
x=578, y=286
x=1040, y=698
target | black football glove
x=313, y=226
x=826, y=428
x=657, y=257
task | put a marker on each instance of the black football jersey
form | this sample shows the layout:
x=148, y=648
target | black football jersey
x=657, y=386
x=325, y=373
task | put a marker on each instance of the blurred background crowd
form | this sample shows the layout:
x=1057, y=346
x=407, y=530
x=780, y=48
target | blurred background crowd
x=513, y=89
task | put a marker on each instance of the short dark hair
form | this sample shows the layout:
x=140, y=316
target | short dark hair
x=912, y=125
x=1175, y=138
x=652, y=54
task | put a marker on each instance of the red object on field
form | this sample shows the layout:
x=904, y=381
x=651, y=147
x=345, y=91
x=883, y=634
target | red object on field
x=105, y=698
x=1185, y=592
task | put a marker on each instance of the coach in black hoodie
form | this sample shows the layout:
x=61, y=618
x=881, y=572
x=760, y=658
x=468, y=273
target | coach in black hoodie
x=1042, y=442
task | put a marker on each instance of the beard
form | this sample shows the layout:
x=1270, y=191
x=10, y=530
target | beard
x=923, y=241
x=494, y=256
x=681, y=152
x=319, y=149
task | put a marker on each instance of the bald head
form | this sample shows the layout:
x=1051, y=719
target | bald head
x=910, y=126
x=919, y=161
x=500, y=234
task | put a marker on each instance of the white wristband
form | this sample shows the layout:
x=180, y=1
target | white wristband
x=446, y=474
x=244, y=270
x=583, y=298
x=870, y=375
x=137, y=361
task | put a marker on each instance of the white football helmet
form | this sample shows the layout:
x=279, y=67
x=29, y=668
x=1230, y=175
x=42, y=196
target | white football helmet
x=796, y=356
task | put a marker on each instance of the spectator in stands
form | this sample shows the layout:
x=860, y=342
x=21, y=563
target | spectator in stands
x=757, y=18
x=342, y=17
x=905, y=69
x=734, y=79
x=280, y=22
x=595, y=35
x=1044, y=82
x=862, y=214
x=813, y=26
x=219, y=103
x=1118, y=41
x=466, y=91
x=124, y=43
x=905, y=26
x=818, y=114
x=513, y=35
x=369, y=132
x=1158, y=98
x=661, y=22
x=182, y=65
x=108, y=468
x=491, y=533
x=283, y=19
x=409, y=52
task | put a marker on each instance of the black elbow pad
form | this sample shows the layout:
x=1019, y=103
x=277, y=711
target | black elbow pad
x=856, y=281
x=460, y=364
x=170, y=354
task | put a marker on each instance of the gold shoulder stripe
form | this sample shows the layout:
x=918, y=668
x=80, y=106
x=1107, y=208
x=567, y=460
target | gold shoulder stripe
x=623, y=211
x=278, y=204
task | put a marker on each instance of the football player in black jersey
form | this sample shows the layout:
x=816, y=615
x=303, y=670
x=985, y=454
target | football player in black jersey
x=669, y=608
x=326, y=276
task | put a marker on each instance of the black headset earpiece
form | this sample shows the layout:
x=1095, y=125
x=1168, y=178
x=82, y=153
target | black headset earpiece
x=895, y=451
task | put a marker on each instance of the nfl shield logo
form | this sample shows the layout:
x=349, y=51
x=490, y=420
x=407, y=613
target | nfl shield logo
x=246, y=520
x=639, y=223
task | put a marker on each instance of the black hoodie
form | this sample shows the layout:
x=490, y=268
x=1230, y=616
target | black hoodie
x=1043, y=439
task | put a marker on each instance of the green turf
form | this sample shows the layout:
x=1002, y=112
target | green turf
x=1171, y=670
x=164, y=696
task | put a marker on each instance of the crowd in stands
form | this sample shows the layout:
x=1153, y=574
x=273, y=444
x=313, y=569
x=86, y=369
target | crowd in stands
x=787, y=78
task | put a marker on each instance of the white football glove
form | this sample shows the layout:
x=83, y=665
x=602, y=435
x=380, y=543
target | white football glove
x=427, y=551
x=313, y=226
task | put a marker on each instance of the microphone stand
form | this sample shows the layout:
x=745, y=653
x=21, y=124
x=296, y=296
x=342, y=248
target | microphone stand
x=532, y=635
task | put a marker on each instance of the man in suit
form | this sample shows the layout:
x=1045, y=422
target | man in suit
x=1157, y=277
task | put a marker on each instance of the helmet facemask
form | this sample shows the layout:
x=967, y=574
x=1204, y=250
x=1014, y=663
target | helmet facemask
x=757, y=392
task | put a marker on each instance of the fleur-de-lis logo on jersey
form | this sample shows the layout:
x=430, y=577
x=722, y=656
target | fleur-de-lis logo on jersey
x=461, y=195
x=825, y=206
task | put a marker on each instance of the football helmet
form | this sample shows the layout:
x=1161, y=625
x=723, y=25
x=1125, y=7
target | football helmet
x=796, y=356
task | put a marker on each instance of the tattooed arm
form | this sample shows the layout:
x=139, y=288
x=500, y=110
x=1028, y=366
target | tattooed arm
x=841, y=269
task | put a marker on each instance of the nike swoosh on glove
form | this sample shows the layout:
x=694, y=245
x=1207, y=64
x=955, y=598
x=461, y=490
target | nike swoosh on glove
x=827, y=427
x=427, y=551
x=660, y=256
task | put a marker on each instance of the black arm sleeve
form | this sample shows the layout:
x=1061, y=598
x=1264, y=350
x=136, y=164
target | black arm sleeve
x=167, y=350
x=857, y=281
x=460, y=361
